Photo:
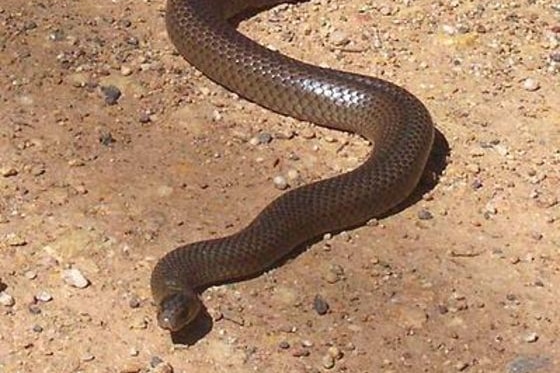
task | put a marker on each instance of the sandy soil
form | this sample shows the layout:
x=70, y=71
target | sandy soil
x=463, y=279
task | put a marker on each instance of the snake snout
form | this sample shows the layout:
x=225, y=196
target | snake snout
x=178, y=310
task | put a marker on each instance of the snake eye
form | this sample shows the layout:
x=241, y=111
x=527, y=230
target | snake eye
x=177, y=311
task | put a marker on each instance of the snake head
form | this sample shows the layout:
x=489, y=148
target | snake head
x=178, y=310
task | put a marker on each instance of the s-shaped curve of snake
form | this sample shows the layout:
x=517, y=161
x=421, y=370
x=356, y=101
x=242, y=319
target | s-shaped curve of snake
x=392, y=118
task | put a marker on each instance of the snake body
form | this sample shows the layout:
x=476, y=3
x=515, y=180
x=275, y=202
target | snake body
x=392, y=118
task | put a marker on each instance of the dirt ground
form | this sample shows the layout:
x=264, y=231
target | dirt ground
x=463, y=279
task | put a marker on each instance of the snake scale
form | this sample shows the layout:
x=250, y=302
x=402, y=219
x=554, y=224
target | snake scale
x=392, y=118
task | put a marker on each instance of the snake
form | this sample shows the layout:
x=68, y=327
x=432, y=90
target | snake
x=393, y=119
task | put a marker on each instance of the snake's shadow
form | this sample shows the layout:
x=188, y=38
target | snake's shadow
x=435, y=166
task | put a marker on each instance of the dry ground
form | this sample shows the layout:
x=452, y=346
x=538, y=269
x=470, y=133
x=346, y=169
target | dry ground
x=463, y=279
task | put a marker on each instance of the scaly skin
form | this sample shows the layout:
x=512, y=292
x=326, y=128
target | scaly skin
x=392, y=118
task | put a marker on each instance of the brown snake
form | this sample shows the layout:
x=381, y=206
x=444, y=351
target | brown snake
x=392, y=118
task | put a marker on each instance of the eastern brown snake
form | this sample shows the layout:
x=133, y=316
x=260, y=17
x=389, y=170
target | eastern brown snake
x=392, y=118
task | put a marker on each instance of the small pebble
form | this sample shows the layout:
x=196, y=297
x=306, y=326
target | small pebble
x=425, y=215
x=106, y=138
x=155, y=361
x=133, y=351
x=33, y=308
x=327, y=361
x=261, y=138
x=30, y=25
x=477, y=184
x=386, y=10
x=280, y=182
x=448, y=29
x=292, y=175
x=88, y=357
x=320, y=305
x=531, y=85
x=131, y=368
x=511, y=297
x=344, y=235
x=293, y=157
x=37, y=328
x=490, y=209
x=335, y=273
x=284, y=345
x=111, y=94
x=6, y=299
x=306, y=343
x=461, y=366
x=15, y=239
x=299, y=352
x=57, y=35
x=531, y=337
x=144, y=118
x=473, y=168
x=501, y=150
x=132, y=40
x=38, y=170
x=75, y=278
x=339, y=38
x=8, y=171
x=80, y=189
x=139, y=323
x=134, y=302
x=332, y=277
x=307, y=133
x=537, y=236
x=44, y=297
x=126, y=70
x=264, y=137
x=162, y=368
x=31, y=275
x=527, y=364
x=335, y=352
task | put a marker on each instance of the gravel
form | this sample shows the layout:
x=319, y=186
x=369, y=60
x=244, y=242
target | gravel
x=327, y=361
x=37, y=328
x=531, y=337
x=134, y=302
x=111, y=94
x=43, y=296
x=478, y=79
x=75, y=278
x=8, y=171
x=320, y=305
x=106, y=138
x=264, y=138
x=335, y=352
x=280, y=182
x=15, y=239
x=6, y=299
x=160, y=366
x=30, y=275
x=531, y=85
x=293, y=175
x=528, y=364
x=425, y=215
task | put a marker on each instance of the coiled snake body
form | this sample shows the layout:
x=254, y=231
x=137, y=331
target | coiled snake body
x=391, y=117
